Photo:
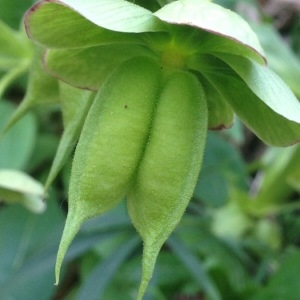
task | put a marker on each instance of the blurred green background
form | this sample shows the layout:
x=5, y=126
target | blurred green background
x=239, y=238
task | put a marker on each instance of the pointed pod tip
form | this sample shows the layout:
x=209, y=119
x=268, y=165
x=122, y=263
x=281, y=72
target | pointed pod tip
x=150, y=253
x=72, y=226
x=142, y=289
x=57, y=274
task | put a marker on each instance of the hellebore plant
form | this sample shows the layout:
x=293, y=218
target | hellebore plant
x=140, y=86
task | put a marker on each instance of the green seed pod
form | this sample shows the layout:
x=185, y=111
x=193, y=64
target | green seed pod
x=170, y=166
x=111, y=144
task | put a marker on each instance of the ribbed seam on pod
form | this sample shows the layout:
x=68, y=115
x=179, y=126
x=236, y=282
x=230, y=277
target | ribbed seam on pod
x=110, y=144
x=169, y=169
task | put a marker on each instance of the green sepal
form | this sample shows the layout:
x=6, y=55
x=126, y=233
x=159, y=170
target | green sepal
x=217, y=21
x=276, y=49
x=220, y=113
x=68, y=23
x=73, y=65
x=256, y=94
x=267, y=86
x=118, y=22
x=117, y=15
x=270, y=127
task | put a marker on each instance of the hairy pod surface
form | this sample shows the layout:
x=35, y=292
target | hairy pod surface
x=170, y=166
x=111, y=144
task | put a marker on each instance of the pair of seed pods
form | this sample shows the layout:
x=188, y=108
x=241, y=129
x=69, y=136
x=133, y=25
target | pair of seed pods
x=143, y=138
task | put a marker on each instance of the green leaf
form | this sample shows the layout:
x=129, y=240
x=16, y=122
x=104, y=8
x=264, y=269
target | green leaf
x=44, y=151
x=76, y=106
x=212, y=18
x=230, y=221
x=218, y=253
x=167, y=276
x=285, y=283
x=73, y=65
x=18, y=144
x=222, y=167
x=28, y=245
x=273, y=180
x=269, y=232
x=95, y=284
x=270, y=127
x=267, y=86
x=28, y=248
x=194, y=266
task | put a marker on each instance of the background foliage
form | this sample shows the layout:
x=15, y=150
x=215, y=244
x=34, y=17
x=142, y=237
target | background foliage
x=239, y=238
